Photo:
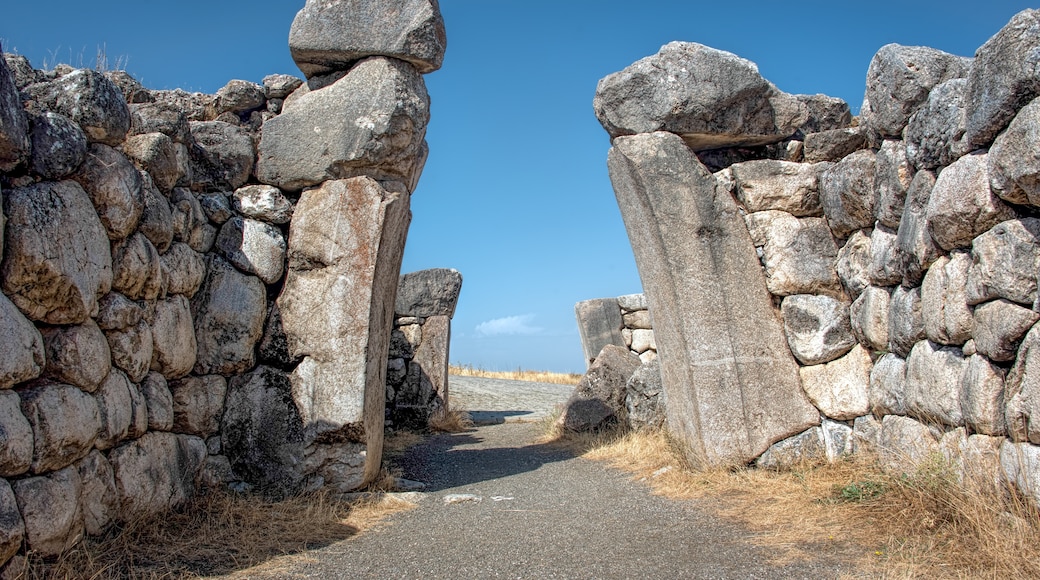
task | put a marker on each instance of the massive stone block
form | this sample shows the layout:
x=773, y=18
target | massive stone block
x=1003, y=79
x=433, y=292
x=57, y=261
x=944, y=307
x=58, y=145
x=330, y=35
x=782, y=185
x=261, y=430
x=731, y=382
x=371, y=122
x=935, y=135
x=432, y=358
x=599, y=399
x=65, y=423
x=14, y=127
x=599, y=324
x=16, y=436
x=711, y=98
x=848, y=193
x=254, y=247
x=114, y=186
x=899, y=79
x=962, y=206
x=50, y=507
x=798, y=254
x=228, y=311
x=90, y=99
x=346, y=242
x=156, y=472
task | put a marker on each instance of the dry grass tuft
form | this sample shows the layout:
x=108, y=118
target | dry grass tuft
x=517, y=375
x=446, y=420
x=400, y=440
x=920, y=524
x=217, y=533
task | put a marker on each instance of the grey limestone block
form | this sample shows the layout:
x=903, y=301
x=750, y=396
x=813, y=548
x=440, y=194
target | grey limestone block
x=719, y=340
x=1003, y=79
x=709, y=97
x=331, y=35
x=599, y=324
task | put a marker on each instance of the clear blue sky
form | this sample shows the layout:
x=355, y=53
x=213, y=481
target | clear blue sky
x=515, y=194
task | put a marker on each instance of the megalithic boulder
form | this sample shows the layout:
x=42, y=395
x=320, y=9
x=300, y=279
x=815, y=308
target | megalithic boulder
x=730, y=379
x=346, y=242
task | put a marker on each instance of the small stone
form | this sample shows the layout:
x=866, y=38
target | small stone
x=263, y=202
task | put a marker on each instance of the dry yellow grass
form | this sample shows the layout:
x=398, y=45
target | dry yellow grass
x=924, y=524
x=517, y=375
x=446, y=420
x=217, y=533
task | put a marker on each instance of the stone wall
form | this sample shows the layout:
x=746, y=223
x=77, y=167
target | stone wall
x=199, y=289
x=623, y=321
x=417, y=370
x=822, y=284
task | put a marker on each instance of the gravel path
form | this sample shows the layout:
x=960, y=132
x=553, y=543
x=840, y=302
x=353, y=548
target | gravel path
x=493, y=401
x=499, y=505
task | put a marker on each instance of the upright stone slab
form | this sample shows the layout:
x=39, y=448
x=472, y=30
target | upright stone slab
x=599, y=324
x=731, y=381
x=432, y=358
x=346, y=241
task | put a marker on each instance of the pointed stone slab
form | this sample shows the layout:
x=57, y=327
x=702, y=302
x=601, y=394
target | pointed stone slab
x=599, y=324
x=346, y=242
x=731, y=382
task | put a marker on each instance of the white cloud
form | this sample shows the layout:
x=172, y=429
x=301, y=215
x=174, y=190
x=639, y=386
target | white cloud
x=509, y=325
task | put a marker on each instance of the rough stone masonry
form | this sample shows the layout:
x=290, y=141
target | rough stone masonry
x=199, y=289
x=822, y=284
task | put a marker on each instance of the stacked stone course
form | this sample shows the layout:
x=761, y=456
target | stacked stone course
x=417, y=370
x=849, y=285
x=185, y=301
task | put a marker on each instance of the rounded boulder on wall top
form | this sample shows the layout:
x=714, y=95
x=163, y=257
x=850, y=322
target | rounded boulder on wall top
x=330, y=35
x=1003, y=78
x=710, y=97
x=899, y=79
x=90, y=99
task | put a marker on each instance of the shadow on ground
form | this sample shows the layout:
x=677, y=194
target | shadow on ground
x=499, y=417
x=445, y=460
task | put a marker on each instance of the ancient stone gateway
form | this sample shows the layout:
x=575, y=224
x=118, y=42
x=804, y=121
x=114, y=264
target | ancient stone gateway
x=200, y=289
x=820, y=286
